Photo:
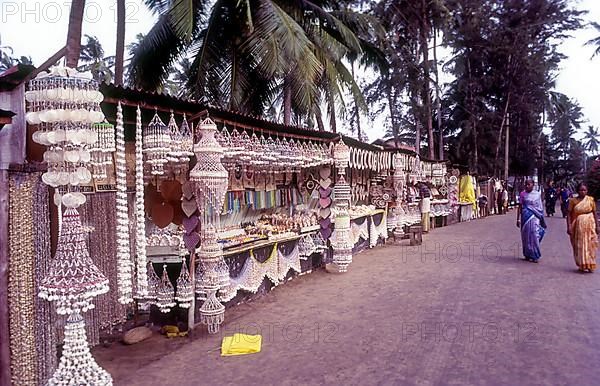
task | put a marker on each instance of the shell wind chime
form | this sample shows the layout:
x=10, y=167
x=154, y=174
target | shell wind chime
x=399, y=182
x=211, y=179
x=156, y=145
x=63, y=104
x=342, y=244
x=103, y=149
x=181, y=146
x=72, y=282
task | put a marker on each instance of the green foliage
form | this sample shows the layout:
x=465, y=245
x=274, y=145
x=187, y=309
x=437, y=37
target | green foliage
x=504, y=52
x=593, y=179
x=243, y=53
x=592, y=140
x=92, y=59
x=7, y=60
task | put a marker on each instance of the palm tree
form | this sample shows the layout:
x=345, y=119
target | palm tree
x=120, y=50
x=246, y=55
x=93, y=59
x=7, y=60
x=595, y=41
x=74, y=32
x=591, y=139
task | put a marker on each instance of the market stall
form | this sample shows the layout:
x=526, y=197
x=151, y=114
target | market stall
x=160, y=209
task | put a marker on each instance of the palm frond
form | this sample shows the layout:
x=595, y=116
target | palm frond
x=154, y=55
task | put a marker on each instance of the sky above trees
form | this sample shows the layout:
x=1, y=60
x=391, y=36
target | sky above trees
x=21, y=26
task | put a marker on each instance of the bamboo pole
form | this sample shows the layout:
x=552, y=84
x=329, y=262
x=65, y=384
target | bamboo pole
x=506, y=144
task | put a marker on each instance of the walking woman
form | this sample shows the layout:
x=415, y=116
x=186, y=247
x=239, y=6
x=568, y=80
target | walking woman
x=531, y=212
x=582, y=227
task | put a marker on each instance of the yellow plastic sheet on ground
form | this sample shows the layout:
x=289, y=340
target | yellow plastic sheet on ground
x=240, y=344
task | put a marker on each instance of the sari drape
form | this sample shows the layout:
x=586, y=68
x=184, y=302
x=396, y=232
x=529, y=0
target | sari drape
x=532, y=224
x=584, y=239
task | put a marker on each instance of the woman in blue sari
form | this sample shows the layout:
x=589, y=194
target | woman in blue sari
x=531, y=212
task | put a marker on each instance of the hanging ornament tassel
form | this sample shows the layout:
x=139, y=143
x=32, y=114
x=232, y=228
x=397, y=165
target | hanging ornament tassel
x=185, y=288
x=211, y=180
x=165, y=296
x=212, y=312
x=74, y=279
x=77, y=366
x=342, y=244
x=124, y=269
x=140, y=215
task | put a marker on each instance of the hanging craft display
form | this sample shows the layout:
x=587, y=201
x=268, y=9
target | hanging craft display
x=185, y=287
x=72, y=282
x=275, y=269
x=141, y=259
x=156, y=145
x=102, y=150
x=181, y=147
x=378, y=231
x=275, y=154
x=153, y=284
x=165, y=293
x=211, y=180
x=21, y=286
x=341, y=243
x=63, y=104
x=124, y=265
x=77, y=366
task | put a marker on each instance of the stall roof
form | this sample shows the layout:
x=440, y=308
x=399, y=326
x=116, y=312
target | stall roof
x=163, y=102
x=14, y=76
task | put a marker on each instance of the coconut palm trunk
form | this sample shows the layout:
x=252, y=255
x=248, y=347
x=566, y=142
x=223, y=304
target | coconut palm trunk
x=120, y=50
x=74, y=32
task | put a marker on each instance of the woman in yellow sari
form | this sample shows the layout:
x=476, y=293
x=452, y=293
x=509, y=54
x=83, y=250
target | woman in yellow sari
x=582, y=227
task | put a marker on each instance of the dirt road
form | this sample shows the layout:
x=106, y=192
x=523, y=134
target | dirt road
x=462, y=309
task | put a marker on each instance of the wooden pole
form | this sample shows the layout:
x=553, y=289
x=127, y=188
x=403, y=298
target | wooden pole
x=506, y=148
x=192, y=309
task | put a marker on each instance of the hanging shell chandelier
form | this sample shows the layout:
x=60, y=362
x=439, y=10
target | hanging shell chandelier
x=77, y=366
x=63, y=104
x=72, y=282
x=156, y=145
x=211, y=180
x=165, y=294
x=342, y=244
x=185, y=287
x=73, y=279
x=103, y=149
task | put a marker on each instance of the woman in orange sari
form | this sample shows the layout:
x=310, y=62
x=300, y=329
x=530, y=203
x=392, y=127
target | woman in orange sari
x=582, y=227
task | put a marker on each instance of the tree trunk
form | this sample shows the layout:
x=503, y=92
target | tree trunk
x=438, y=103
x=476, y=151
x=74, y=33
x=417, y=135
x=120, y=51
x=332, y=118
x=472, y=117
x=499, y=143
x=287, y=102
x=356, y=112
x=393, y=116
x=426, y=94
x=319, y=118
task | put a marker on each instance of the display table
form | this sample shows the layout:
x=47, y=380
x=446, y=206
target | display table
x=367, y=230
